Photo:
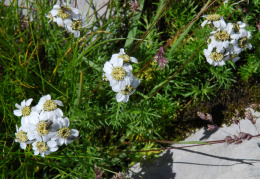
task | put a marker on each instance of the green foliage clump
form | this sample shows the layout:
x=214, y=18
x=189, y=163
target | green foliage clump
x=39, y=58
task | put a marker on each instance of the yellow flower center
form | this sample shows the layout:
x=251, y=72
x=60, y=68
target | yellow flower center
x=221, y=36
x=49, y=105
x=62, y=14
x=215, y=56
x=76, y=25
x=128, y=89
x=21, y=136
x=64, y=132
x=125, y=57
x=41, y=146
x=26, y=111
x=236, y=27
x=213, y=17
x=242, y=42
x=118, y=73
x=43, y=127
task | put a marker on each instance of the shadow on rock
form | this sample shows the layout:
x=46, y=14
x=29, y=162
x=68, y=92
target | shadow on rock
x=159, y=168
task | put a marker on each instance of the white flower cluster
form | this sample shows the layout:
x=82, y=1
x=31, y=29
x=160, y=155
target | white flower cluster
x=43, y=126
x=226, y=42
x=65, y=15
x=118, y=72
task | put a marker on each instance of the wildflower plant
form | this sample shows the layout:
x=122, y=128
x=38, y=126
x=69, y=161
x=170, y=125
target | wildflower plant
x=46, y=129
x=119, y=80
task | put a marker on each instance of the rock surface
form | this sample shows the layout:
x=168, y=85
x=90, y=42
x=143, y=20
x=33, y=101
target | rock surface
x=218, y=161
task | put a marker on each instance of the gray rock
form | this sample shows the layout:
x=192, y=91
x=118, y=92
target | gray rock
x=218, y=161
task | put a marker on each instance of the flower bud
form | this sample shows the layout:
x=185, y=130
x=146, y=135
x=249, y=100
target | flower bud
x=249, y=115
x=209, y=117
x=201, y=115
x=211, y=127
x=229, y=140
x=235, y=120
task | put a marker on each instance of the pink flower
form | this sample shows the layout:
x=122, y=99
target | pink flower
x=201, y=115
x=134, y=5
x=211, y=127
x=160, y=57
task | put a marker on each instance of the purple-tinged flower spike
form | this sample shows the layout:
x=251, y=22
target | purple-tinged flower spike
x=119, y=175
x=258, y=25
x=160, y=58
x=201, y=115
x=229, y=140
x=211, y=127
x=134, y=5
x=98, y=172
x=209, y=118
x=250, y=117
x=235, y=120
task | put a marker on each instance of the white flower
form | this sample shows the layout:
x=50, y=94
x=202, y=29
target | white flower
x=124, y=56
x=48, y=108
x=104, y=77
x=74, y=26
x=26, y=112
x=65, y=135
x=21, y=137
x=49, y=16
x=123, y=95
x=215, y=58
x=65, y=11
x=241, y=39
x=44, y=148
x=42, y=130
x=233, y=53
x=214, y=19
x=221, y=38
x=237, y=26
x=117, y=73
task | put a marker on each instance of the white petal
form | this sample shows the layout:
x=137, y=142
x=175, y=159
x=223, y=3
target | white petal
x=18, y=106
x=56, y=6
x=133, y=59
x=23, y=145
x=207, y=52
x=108, y=68
x=23, y=103
x=209, y=61
x=116, y=88
x=67, y=22
x=76, y=33
x=47, y=97
x=18, y=112
x=122, y=51
x=59, y=21
x=54, y=12
x=52, y=143
x=235, y=59
x=216, y=24
x=135, y=83
x=28, y=102
x=119, y=62
x=58, y=102
x=204, y=23
x=126, y=98
x=249, y=46
x=74, y=132
x=221, y=63
x=119, y=97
